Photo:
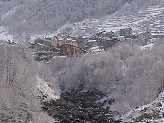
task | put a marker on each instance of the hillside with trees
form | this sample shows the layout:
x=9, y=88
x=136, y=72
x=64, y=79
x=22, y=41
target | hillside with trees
x=40, y=16
x=81, y=61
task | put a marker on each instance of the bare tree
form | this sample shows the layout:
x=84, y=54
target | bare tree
x=18, y=86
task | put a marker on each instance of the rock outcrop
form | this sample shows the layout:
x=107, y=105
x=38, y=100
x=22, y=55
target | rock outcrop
x=79, y=107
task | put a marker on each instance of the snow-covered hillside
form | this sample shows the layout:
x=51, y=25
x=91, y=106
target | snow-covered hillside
x=44, y=16
x=4, y=35
x=45, y=90
x=30, y=17
x=140, y=19
x=153, y=112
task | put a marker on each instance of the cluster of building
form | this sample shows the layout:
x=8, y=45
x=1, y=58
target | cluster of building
x=47, y=48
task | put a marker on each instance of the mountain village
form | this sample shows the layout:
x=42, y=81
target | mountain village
x=70, y=46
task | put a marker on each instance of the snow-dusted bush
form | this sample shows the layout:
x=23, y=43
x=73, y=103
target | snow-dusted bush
x=128, y=73
x=143, y=77
x=93, y=71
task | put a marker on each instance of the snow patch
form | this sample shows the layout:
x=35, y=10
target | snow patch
x=156, y=105
x=43, y=87
x=148, y=46
x=96, y=49
x=4, y=34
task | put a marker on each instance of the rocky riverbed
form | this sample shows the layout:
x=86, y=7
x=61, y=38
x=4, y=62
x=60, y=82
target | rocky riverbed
x=80, y=107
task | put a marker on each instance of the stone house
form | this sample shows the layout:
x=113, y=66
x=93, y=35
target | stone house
x=144, y=38
x=91, y=43
x=126, y=32
x=69, y=49
x=110, y=34
x=110, y=43
x=44, y=42
x=82, y=42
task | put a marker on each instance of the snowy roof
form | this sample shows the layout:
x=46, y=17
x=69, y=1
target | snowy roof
x=91, y=41
x=60, y=38
x=96, y=49
x=72, y=44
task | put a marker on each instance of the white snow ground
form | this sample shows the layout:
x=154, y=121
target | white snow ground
x=4, y=34
x=148, y=46
x=45, y=90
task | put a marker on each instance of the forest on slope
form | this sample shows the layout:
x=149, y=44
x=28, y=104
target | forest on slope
x=40, y=16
